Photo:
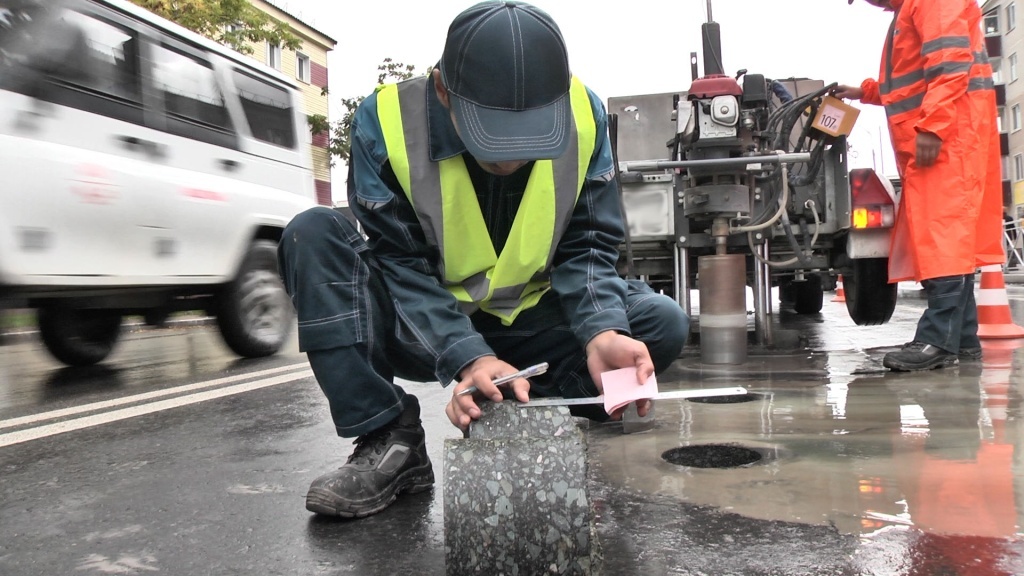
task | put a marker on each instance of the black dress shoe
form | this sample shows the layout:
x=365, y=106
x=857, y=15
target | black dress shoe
x=919, y=356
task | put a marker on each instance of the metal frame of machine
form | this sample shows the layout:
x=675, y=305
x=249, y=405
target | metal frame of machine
x=728, y=184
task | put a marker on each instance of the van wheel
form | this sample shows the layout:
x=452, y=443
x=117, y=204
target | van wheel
x=254, y=312
x=78, y=337
x=870, y=299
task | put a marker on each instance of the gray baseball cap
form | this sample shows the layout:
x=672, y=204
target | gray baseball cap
x=507, y=73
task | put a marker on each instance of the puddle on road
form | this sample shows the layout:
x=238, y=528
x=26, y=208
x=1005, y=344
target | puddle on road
x=937, y=451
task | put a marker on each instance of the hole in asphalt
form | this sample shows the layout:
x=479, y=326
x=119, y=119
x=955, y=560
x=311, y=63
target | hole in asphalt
x=731, y=399
x=711, y=456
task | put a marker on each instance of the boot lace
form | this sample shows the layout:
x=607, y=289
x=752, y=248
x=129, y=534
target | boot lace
x=370, y=446
x=914, y=346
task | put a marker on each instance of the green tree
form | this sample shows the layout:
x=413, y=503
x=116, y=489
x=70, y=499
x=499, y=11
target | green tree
x=233, y=23
x=341, y=131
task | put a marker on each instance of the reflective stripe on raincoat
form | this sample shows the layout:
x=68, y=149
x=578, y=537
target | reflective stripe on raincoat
x=935, y=77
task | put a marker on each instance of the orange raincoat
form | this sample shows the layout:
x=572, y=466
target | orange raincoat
x=935, y=77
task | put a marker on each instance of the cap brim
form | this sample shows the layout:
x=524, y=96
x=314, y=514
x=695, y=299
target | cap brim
x=493, y=135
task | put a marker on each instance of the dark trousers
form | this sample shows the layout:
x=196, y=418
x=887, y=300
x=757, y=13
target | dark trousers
x=353, y=338
x=951, y=320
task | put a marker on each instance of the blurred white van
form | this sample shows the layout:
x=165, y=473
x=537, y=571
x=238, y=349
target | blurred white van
x=143, y=170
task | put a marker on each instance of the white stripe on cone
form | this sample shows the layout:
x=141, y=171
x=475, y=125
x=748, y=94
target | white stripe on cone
x=992, y=297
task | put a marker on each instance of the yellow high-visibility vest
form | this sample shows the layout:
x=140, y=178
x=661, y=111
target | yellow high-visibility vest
x=446, y=204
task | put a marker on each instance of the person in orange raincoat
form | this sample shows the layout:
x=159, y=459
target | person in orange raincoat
x=936, y=85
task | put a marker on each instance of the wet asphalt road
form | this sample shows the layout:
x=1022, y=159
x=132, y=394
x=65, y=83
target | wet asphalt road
x=177, y=458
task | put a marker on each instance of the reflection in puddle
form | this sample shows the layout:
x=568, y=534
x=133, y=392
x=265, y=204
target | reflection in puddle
x=929, y=452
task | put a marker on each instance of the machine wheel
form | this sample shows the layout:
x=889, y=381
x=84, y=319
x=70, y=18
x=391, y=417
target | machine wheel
x=254, y=312
x=870, y=298
x=808, y=294
x=78, y=337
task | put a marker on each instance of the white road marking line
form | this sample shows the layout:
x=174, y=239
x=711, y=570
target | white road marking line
x=33, y=418
x=43, y=431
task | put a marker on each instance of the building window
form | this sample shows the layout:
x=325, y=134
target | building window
x=273, y=56
x=302, y=67
x=992, y=23
x=1011, y=16
x=1015, y=121
x=1000, y=119
x=1013, y=67
x=1018, y=167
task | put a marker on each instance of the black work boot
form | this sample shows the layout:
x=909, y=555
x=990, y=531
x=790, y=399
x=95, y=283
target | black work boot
x=387, y=461
x=970, y=353
x=918, y=356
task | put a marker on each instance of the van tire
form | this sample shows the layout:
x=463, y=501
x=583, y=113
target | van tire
x=254, y=312
x=76, y=336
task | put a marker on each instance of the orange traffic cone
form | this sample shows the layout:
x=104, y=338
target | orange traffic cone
x=840, y=293
x=994, y=319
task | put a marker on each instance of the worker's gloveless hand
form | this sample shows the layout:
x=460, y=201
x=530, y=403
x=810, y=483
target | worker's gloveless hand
x=462, y=410
x=847, y=92
x=928, y=147
x=612, y=351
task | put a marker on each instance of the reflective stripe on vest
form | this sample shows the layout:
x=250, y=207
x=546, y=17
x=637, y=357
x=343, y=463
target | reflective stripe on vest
x=979, y=70
x=446, y=204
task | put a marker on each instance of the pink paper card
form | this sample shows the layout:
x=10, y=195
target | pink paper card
x=621, y=388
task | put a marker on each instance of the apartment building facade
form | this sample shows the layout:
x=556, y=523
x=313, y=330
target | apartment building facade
x=308, y=65
x=1004, y=42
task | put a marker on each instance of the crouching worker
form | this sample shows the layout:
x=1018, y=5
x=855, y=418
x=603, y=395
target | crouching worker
x=493, y=224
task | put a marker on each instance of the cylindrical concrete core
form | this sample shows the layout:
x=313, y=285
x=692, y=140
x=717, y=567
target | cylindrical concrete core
x=722, y=281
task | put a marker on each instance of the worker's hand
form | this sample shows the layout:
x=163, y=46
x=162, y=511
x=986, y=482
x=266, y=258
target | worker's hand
x=462, y=410
x=611, y=351
x=847, y=92
x=928, y=147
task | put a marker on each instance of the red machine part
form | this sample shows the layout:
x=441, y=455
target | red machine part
x=714, y=85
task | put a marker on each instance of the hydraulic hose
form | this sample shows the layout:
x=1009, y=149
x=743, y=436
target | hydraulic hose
x=783, y=199
x=817, y=227
x=798, y=250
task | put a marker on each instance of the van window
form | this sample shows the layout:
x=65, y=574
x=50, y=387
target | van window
x=193, y=100
x=22, y=31
x=72, y=59
x=112, y=58
x=268, y=109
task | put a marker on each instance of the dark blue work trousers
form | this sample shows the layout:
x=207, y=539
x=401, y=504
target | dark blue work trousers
x=951, y=320
x=356, y=344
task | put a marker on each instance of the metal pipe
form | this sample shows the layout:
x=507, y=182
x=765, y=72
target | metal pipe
x=660, y=165
x=681, y=263
x=762, y=296
x=710, y=19
x=723, y=308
